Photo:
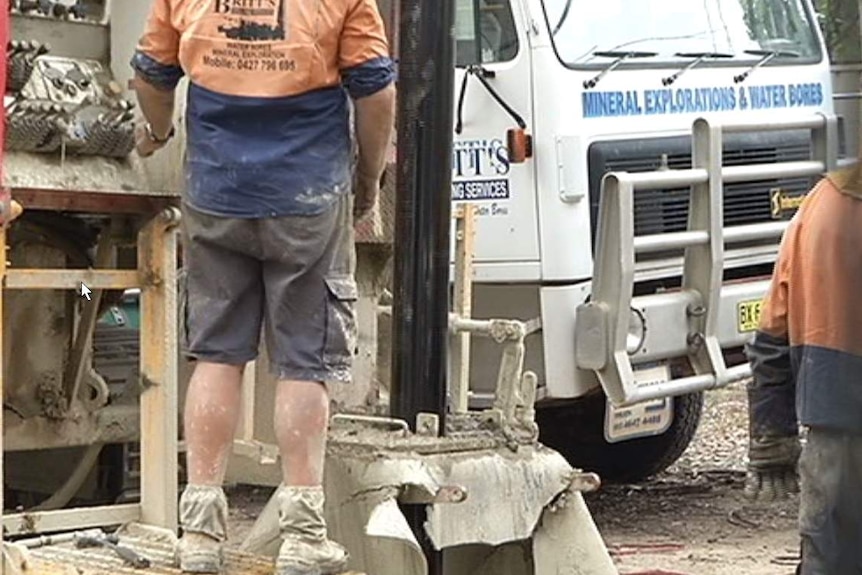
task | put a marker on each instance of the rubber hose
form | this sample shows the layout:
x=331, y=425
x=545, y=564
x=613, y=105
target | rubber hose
x=64, y=495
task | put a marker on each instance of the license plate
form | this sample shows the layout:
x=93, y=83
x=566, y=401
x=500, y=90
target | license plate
x=748, y=315
x=642, y=419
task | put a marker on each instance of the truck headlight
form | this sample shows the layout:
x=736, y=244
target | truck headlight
x=637, y=332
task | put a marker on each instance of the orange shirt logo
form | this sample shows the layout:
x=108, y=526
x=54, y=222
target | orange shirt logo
x=255, y=20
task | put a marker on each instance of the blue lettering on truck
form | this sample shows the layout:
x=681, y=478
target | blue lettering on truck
x=652, y=102
x=480, y=170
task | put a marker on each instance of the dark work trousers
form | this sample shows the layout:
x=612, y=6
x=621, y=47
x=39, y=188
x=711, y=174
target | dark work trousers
x=830, y=513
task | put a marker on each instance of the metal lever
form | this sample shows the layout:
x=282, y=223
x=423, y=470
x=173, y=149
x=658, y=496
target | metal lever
x=129, y=556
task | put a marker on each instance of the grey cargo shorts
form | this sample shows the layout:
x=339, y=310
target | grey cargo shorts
x=292, y=276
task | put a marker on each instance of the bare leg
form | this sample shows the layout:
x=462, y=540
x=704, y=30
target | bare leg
x=301, y=417
x=211, y=417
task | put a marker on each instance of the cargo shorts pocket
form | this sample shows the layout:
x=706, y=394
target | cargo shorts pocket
x=340, y=344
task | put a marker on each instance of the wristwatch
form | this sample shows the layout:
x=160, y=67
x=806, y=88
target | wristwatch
x=149, y=130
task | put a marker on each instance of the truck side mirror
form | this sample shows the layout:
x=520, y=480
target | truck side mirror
x=520, y=145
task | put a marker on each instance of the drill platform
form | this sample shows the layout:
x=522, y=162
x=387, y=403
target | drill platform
x=67, y=559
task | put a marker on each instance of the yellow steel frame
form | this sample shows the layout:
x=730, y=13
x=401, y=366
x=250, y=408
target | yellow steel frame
x=156, y=276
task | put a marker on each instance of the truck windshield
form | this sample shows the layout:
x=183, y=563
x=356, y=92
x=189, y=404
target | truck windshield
x=674, y=28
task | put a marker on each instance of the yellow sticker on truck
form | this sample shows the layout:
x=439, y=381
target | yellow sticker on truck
x=748, y=315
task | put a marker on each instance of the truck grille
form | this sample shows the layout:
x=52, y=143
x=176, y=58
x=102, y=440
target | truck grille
x=663, y=211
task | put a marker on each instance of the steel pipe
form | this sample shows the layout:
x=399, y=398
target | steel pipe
x=755, y=172
x=423, y=209
x=813, y=122
x=754, y=232
x=662, y=179
x=670, y=241
x=672, y=388
x=420, y=322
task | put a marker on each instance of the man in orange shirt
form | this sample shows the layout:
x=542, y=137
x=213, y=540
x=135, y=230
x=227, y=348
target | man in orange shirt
x=807, y=362
x=268, y=236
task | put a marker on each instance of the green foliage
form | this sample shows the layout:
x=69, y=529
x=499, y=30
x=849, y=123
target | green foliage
x=839, y=20
x=778, y=24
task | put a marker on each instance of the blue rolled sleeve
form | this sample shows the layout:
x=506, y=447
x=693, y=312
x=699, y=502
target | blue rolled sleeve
x=155, y=73
x=772, y=390
x=369, y=77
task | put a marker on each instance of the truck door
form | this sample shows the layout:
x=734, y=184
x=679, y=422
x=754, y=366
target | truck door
x=492, y=56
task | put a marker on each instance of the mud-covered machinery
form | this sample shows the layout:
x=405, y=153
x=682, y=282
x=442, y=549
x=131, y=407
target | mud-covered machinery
x=71, y=384
x=65, y=105
x=72, y=387
x=477, y=493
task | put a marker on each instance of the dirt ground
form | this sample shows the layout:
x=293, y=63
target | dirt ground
x=690, y=520
x=693, y=519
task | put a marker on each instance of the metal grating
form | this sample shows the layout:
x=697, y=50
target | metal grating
x=66, y=559
x=663, y=211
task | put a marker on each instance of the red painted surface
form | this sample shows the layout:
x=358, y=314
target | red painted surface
x=5, y=198
x=4, y=41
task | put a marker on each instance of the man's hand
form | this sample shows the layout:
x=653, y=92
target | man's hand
x=366, y=191
x=772, y=462
x=145, y=146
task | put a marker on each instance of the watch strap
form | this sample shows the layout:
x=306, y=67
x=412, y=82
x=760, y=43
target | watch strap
x=152, y=136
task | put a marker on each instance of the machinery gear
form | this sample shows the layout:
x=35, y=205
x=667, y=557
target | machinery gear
x=21, y=60
x=35, y=127
x=111, y=135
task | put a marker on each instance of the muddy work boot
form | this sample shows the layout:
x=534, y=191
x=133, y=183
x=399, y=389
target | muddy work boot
x=203, y=519
x=305, y=549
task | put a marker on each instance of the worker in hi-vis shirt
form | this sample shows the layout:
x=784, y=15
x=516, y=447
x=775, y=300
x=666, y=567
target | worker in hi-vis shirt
x=275, y=180
x=807, y=362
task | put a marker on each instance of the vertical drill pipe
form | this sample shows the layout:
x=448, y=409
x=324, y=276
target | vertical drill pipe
x=420, y=322
x=423, y=209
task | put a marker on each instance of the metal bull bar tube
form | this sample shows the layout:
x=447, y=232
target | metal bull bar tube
x=603, y=323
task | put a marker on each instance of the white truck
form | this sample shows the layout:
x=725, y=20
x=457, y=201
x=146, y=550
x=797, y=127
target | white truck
x=660, y=148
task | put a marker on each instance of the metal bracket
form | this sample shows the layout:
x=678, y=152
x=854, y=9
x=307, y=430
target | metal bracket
x=585, y=482
x=413, y=495
x=428, y=424
x=384, y=423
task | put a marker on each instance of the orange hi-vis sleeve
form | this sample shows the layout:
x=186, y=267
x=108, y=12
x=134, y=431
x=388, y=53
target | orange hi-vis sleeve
x=161, y=38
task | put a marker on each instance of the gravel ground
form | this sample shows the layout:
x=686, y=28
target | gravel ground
x=690, y=520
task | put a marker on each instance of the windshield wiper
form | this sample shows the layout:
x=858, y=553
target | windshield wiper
x=699, y=57
x=766, y=56
x=620, y=57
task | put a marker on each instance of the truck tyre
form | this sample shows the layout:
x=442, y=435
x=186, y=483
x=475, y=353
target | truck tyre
x=576, y=431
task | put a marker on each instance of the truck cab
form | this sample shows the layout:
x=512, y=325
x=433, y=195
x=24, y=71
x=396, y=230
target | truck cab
x=717, y=118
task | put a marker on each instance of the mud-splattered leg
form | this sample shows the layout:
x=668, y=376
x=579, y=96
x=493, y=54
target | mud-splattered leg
x=301, y=416
x=211, y=417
